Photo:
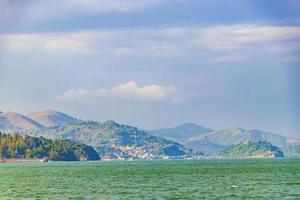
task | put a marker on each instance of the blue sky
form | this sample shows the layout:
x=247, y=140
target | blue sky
x=153, y=63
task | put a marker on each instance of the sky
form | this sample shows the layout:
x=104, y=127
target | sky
x=155, y=63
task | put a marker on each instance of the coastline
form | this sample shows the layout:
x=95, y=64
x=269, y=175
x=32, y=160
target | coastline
x=20, y=161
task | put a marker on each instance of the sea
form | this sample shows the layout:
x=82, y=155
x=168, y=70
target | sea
x=155, y=179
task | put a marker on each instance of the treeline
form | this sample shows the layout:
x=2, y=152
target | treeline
x=17, y=147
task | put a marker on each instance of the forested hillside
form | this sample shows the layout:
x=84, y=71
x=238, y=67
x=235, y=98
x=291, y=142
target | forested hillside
x=117, y=141
x=254, y=149
x=17, y=146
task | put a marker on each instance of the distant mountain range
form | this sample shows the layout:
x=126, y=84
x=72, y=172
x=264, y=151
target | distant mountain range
x=113, y=140
x=214, y=142
x=238, y=135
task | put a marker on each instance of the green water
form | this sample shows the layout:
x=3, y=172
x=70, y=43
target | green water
x=192, y=179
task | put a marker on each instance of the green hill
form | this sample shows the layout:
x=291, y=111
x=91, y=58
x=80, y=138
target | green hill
x=15, y=146
x=253, y=149
x=113, y=140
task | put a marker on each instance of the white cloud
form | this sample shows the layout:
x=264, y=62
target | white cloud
x=148, y=42
x=67, y=44
x=236, y=36
x=61, y=42
x=228, y=41
x=129, y=90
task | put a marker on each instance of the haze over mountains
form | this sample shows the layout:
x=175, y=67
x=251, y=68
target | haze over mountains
x=238, y=135
x=113, y=140
x=180, y=133
x=10, y=121
x=213, y=142
x=51, y=118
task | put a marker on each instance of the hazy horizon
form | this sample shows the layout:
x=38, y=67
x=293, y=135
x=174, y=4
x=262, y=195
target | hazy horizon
x=154, y=64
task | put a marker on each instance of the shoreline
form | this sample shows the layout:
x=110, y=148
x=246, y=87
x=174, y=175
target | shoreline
x=20, y=161
x=107, y=160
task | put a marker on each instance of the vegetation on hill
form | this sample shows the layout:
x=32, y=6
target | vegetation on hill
x=253, y=149
x=17, y=146
x=113, y=140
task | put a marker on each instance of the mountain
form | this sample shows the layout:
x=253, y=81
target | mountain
x=239, y=135
x=180, y=133
x=12, y=122
x=18, y=147
x=113, y=140
x=253, y=149
x=51, y=118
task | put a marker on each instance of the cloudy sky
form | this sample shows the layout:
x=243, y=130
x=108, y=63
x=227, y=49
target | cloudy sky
x=155, y=63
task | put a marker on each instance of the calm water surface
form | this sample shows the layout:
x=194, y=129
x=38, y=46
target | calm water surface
x=181, y=179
